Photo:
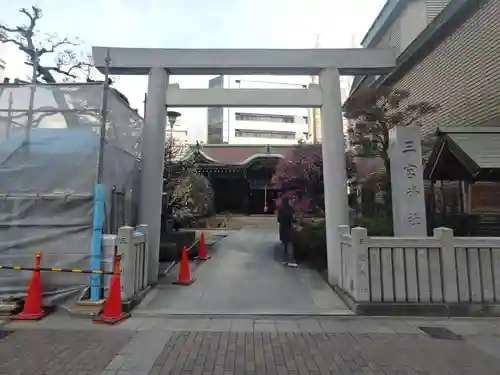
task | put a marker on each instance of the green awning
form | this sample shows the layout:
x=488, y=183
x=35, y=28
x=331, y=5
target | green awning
x=465, y=154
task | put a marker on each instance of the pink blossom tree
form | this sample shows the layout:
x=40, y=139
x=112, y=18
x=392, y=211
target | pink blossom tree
x=300, y=176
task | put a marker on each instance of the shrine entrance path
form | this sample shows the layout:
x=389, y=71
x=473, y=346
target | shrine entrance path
x=245, y=277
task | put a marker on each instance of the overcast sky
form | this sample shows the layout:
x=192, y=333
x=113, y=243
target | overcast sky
x=196, y=23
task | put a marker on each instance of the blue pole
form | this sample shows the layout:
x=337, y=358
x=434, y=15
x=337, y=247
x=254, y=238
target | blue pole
x=95, y=251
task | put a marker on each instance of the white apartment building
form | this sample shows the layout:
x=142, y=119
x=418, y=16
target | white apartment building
x=180, y=134
x=257, y=125
x=180, y=131
x=398, y=24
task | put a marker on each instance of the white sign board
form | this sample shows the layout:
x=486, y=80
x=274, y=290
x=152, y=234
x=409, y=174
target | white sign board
x=408, y=199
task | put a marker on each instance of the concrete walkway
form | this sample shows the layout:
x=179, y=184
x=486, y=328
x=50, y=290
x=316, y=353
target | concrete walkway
x=245, y=276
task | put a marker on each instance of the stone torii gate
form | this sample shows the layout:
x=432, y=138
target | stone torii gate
x=328, y=64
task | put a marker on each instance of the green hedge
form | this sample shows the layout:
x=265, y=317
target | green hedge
x=309, y=238
x=380, y=225
x=309, y=243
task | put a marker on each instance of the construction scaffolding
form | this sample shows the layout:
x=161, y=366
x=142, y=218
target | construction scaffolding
x=50, y=160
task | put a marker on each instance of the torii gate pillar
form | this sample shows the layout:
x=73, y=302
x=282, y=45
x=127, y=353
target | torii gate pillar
x=153, y=158
x=334, y=169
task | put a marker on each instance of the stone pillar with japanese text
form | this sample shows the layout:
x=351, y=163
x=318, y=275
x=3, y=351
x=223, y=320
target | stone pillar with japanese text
x=407, y=180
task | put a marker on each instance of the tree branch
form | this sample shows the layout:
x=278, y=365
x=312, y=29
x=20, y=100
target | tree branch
x=9, y=29
x=63, y=72
x=37, y=13
x=55, y=45
x=14, y=41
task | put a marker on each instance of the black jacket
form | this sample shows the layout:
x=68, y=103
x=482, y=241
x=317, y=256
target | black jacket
x=285, y=220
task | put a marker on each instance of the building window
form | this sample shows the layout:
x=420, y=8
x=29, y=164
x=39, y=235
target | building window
x=215, y=115
x=268, y=118
x=244, y=133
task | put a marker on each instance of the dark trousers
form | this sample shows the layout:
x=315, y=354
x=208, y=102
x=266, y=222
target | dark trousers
x=288, y=256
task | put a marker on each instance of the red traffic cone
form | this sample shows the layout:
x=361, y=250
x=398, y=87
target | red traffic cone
x=184, y=271
x=202, y=249
x=113, y=313
x=33, y=303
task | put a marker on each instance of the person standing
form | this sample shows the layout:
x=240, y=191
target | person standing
x=285, y=220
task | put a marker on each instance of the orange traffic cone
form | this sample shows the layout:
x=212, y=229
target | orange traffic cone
x=113, y=313
x=184, y=271
x=202, y=250
x=33, y=303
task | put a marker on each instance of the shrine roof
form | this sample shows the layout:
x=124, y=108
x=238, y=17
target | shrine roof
x=241, y=154
x=465, y=153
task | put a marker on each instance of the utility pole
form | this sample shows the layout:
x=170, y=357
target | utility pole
x=104, y=117
x=29, y=123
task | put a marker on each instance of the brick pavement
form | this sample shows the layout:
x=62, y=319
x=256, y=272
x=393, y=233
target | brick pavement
x=42, y=351
x=303, y=353
x=242, y=346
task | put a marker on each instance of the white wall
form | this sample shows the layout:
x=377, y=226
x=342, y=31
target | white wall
x=230, y=124
x=413, y=19
x=262, y=141
x=180, y=135
x=412, y=22
x=300, y=126
x=180, y=130
x=434, y=7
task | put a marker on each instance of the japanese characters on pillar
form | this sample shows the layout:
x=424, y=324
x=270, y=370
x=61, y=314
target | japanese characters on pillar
x=408, y=199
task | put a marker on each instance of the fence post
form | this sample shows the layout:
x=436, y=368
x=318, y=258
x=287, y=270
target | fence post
x=342, y=278
x=361, y=277
x=450, y=287
x=125, y=249
x=143, y=228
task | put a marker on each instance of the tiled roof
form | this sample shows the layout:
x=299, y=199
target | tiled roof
x=238, y=154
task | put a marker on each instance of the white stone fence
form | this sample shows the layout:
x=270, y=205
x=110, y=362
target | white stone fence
x=131, y=244
x=442, y=269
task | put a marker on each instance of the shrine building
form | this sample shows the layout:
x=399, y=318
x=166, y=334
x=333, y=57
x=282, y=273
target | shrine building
x=241, y=175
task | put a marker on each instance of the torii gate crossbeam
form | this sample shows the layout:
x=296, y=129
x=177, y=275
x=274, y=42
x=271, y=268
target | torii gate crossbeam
x=328, y=64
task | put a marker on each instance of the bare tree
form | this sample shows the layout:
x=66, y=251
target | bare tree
x=25, y=37
x=176, y=167
x=186, y=191
x=375, y=111
x=68, y=65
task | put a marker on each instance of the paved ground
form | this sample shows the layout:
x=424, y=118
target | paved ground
x=246, y=276
x=43, y=351
x=317, y=353
x=280, y=346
